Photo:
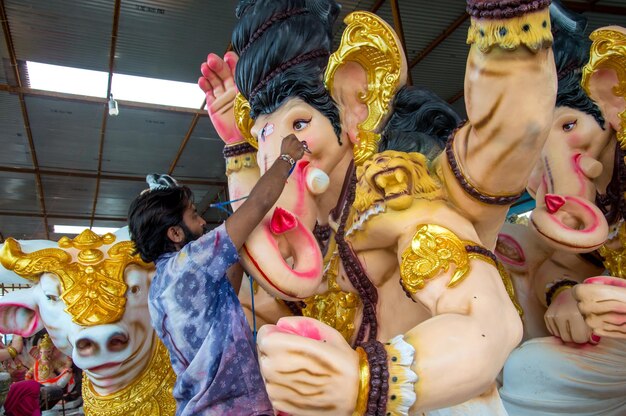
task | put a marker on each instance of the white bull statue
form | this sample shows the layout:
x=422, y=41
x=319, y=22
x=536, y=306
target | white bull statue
x=91, y=294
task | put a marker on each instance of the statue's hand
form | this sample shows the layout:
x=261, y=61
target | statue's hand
x=564, y=320
x=218, y=83
x=308, y=367
x=602, y=302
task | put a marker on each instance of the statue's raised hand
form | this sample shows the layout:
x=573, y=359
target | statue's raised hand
x=308, y=367
x=218, y=83
x=602, y=301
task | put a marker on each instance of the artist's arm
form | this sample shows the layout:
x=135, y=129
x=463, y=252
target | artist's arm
x=264, y=194
x=510, y=90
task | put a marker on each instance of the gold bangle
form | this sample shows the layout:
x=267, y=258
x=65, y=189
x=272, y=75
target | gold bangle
x=239, y=162
x=12, y=352
x=364, y=383
x=560, y=289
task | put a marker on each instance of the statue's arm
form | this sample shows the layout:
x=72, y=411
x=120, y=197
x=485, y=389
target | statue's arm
x=218, y=84
x=510, y=90
x=459, y=352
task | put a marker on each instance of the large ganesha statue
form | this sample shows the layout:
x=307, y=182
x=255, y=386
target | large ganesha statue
x=391, y=247
x=574, y=360
x=91, y=295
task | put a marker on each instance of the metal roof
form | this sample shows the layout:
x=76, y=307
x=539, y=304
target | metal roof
x=64, y=160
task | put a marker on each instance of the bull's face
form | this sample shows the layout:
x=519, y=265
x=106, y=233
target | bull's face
x=95, y=311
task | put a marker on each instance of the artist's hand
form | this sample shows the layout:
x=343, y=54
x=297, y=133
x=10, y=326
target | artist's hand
x=308, y=367
x=218, y=83
x=602, y=301
x=292, y=147
x=564, y=320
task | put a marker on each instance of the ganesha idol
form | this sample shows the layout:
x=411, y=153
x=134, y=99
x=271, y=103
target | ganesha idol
x=574, y=360
x=390, y=247
x=90, y=294
x=51, y=367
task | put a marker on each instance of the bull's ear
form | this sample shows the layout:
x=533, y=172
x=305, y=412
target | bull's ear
x=19, y=313
x=604, y=77
x=362, y=76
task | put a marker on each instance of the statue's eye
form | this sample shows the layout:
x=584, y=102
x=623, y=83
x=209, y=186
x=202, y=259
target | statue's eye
x=52, y=298
x=569, y=126
x=135, y=289
x=300, y=124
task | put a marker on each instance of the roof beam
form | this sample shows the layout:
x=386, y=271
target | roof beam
x=456, y=97
x=439, y=39
x=105, y=176
x=105, y=110
x=29, y=135
x=183, y=144
x=97, y=100
x=377, y=5
x=397, y=25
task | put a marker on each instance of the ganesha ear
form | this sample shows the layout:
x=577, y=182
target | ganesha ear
x=604, y=77
x=362, y=76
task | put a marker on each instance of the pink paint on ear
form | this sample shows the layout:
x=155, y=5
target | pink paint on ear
x=554, y=202
x=302, y=328
x=282, y=221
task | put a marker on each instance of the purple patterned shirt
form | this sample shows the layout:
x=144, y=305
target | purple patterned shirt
x=197, y=315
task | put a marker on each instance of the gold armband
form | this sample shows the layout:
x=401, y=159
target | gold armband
x=401, y=395
x=530, y=29
x=364, y=383
x=432, y=251
x=12, y=352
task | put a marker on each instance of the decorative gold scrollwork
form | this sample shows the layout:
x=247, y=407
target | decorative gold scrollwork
x=370, y=42
x=608, y=51
x=94, y=293
x=243, y=120
x=615, y=259
x=432, y=251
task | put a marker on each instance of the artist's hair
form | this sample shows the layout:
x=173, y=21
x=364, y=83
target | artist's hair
x=571, y=53
x=420, y=122
x=151, y=214
x=283, y=48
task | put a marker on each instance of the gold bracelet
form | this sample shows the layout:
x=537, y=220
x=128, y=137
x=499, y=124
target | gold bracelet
x=364, y=383
x=239, y=162
x=531, y=30
x=12, y=352
x=555, y=289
